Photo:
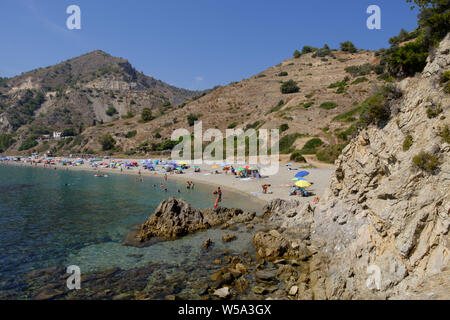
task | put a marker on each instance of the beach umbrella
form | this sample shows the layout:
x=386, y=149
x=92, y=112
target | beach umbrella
x=301, y=174
x=297, y=179
x=195, y=166
x=224, y=165
x=183, y=162
x=303, y=184
x=215, y=167
x=240, y=169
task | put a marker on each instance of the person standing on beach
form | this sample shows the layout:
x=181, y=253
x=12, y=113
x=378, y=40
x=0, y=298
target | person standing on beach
x=218, y=193
x=165, y=177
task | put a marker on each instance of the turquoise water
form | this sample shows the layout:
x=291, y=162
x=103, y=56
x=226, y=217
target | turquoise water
x=60, y=218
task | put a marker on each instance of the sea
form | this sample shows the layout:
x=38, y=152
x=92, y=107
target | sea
x=63, y=218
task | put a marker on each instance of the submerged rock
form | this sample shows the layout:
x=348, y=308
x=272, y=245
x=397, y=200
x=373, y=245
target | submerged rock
x=228, y=237
x=175, y=218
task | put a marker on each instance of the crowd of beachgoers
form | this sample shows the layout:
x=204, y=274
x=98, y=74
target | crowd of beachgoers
x=292, y=180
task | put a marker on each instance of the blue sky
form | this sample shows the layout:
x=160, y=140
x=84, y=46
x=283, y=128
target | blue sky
x=194, y=44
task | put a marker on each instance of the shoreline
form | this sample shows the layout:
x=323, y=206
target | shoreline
x=280, y=183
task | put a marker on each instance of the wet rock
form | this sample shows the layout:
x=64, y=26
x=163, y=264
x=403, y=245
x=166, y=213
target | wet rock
x=241, y=284
x=207, y=243
x=266, y=276
x=228, y=237
x=175, y=218
x=259, y=290
x=241, y=268
x=270, y=245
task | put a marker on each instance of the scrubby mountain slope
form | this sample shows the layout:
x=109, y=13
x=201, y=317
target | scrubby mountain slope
x=387, y=207
x=78, y=93
x=258, y=102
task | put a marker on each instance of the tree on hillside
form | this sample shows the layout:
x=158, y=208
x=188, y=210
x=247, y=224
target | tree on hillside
x=308, y=49
x=146, y=115
x=434, y=24
x=297, y=54
x=289, y=87
x=107, y=142
x=348, y=46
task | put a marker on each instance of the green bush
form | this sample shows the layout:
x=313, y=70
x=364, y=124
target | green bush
x=308, y=49
x=107, y=142
x=297, y=156
x=433, y=111
x=408, y=59
x=348, y=133
x=146, y=115
x=360, y=80
x=426, y=162
x=297, y=54
x=311, y=146
x=69, y=132
x=283, y=74
x=325, y=51
x=131, y=134
x=284, y=127
x=253, y=125
x=328, y=105
x=340, y=90
x=361, y=70
x=445, y=134
x=129, y=115
x=445, y=81
x=330, y=153
x=306, y=105
x=347, y=115
x=5, y=142
x=289, y=87
x=337, y=84
x=348, y=46
x=191, y=118
x=376, y=109
x=232, y=125
x=28, y=143
x=408, y=142
x=111, y=111
x=287, y=141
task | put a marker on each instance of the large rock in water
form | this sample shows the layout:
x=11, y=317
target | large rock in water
x=175, y=218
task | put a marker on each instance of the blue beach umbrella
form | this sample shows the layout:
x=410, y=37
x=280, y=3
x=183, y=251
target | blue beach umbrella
x=301, y=174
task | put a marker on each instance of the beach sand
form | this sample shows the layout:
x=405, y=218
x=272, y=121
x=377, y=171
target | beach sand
x=281, y=183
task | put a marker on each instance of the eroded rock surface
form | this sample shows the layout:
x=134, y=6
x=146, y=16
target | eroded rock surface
x=381, y=230
x=175, y=218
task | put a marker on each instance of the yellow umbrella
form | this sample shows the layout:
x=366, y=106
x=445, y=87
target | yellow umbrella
x=303, y=184
x=215, y=167
x=183, y=162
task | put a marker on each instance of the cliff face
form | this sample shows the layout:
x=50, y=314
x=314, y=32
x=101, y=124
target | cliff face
x=383, y=218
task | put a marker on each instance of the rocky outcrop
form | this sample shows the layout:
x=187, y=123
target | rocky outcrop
x=381, y=229
x=175, y=218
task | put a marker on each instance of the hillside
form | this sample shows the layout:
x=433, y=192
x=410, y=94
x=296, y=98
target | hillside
x=386, y=210
x=326, y=91
x=93, y=88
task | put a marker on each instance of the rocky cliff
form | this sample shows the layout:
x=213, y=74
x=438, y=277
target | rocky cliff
x=381, y=230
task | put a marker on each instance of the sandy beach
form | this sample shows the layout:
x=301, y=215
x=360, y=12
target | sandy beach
x=280, y=183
